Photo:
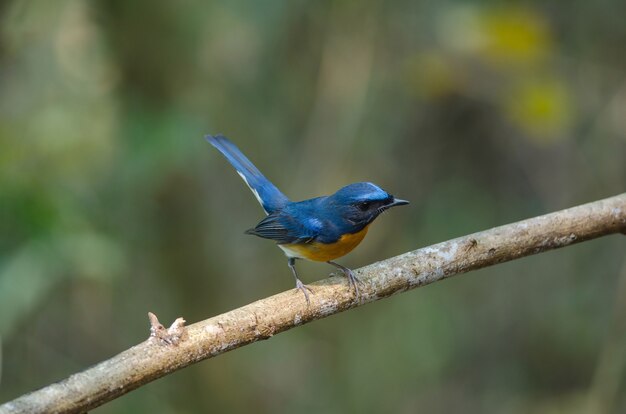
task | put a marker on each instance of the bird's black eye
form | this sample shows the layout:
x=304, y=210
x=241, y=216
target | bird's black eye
x=364, y=205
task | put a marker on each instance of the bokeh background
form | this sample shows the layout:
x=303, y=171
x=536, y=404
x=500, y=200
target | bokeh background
x=479, y=112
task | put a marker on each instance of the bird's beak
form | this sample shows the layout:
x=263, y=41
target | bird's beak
x=397, y=202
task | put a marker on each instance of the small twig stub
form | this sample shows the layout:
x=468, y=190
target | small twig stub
x=171, y=336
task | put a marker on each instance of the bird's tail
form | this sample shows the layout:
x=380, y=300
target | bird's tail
x=268, y=195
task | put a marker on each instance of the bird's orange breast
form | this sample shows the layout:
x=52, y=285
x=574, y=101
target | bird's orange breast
x=322, y=252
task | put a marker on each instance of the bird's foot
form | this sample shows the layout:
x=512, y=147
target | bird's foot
x=304, y=288
x=353, y=281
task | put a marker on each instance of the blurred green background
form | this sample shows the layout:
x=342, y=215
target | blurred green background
x=479, y=112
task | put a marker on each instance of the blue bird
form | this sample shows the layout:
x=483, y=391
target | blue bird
x=319, y=229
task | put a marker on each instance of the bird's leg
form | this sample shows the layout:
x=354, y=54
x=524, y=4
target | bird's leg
x=352, y=279
x=299, y=285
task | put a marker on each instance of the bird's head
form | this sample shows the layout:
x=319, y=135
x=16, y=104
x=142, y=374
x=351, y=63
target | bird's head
x=361, y=203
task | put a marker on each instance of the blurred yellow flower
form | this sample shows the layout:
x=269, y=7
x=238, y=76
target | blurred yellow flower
x=514, y=36
x=541, y=108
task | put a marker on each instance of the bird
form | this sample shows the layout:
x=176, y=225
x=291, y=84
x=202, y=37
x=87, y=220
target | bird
x=319, y=229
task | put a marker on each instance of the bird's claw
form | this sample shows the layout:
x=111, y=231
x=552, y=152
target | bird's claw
x=304, y=288
x=353, y=281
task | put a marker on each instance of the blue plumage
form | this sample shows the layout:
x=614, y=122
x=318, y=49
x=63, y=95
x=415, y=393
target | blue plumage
x=324, y=219
x=270, y=197
x=321, y=228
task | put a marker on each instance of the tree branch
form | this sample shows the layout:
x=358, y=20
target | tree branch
x=177, y=348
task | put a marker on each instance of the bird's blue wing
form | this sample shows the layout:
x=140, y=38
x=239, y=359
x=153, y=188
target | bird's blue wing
x=270, y=197
x=285, y=229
